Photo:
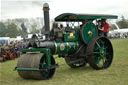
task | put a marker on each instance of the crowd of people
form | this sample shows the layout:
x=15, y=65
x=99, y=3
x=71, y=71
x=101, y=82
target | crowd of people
x=12, y=50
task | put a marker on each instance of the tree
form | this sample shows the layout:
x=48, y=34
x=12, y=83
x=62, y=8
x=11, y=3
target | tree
x=112, y=27
x=34, y=28
x=123, y=23
x=24, y=30
x=12, y=30
x=3, y=30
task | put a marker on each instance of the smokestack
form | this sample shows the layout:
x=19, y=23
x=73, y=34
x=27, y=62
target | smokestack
x=46, y=20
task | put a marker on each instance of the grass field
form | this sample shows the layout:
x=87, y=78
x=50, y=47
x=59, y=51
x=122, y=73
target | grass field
x=117, y=74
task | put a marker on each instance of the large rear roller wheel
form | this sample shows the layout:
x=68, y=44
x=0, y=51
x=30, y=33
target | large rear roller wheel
x=100, y=53
x=35, y=60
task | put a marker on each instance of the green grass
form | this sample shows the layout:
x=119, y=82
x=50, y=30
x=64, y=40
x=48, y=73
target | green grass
x=117, y=74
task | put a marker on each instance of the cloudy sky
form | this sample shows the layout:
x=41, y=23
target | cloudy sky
x=33, y=8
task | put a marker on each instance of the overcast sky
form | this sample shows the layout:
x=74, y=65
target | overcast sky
x=33, y=8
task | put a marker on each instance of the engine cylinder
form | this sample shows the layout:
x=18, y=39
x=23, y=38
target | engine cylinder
x=66, y=47
x=59, y=47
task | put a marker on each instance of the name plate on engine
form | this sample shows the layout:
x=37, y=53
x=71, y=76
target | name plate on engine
x=70, y=37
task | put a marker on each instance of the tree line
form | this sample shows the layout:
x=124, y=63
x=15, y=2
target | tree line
x=11, y=30
x=17, y=27
x=122, y=23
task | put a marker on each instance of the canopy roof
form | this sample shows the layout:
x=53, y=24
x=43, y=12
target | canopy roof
x=82, y=17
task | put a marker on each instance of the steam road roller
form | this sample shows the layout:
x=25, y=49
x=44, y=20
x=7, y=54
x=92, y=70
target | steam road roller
x=77, y=42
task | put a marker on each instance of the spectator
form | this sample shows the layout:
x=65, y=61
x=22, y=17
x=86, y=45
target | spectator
x=106, y=27
x=25, y=45
x=100, y=28
x=62, y=28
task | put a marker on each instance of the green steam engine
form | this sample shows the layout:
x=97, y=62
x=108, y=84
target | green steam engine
x=77, y=44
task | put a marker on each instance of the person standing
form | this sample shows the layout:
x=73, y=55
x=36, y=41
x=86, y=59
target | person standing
x=62, y=28
x=100, y=28
x=106, y=27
